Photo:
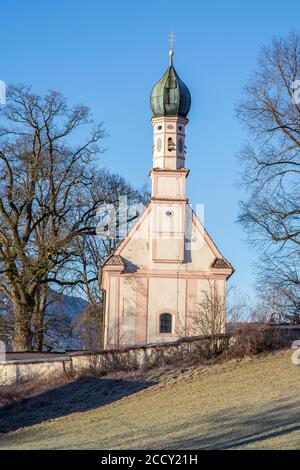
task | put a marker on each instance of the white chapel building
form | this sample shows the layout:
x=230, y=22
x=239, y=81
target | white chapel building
x=154, y=281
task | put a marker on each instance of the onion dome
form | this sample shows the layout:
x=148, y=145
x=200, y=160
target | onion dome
x=170, y=96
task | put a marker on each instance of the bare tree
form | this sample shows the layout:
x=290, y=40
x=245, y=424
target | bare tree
x=209, y=318
x=6, y=321
x=271, y=166
x=90, y=327
x=93, y=250
x=277, y=303
x=239, y=308
x=43, y=196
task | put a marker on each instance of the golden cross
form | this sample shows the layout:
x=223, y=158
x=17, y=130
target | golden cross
x=172, y=39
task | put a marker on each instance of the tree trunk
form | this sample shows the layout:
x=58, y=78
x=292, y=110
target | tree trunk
x=22, y=339
x=38, y=318
x=38, y=335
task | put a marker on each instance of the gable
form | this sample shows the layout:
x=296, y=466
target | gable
x=201, y=253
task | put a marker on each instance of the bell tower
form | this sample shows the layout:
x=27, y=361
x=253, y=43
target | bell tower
x=159, y=273
x=169, y=142
x=170, y=103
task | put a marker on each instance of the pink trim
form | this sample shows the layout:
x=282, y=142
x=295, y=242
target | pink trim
x=186, y=307
x=141, y=311
x=173, y=273
x=191, y=298
x=169, y=202
x=172, y=171
x=118, y=311
x=168, y=261
x=171, y=233
x=106, y=317
x=118, y=307
x=147, y=311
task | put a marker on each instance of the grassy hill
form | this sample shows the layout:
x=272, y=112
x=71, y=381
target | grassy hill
x=251, y=404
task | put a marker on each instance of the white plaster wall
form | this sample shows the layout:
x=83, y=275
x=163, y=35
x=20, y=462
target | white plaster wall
x=138, y=251
x=166, y=295
x=166, y=282
x=163, y=128
x=112, y=310
x=128, y=286
x=13, y=372
x=199, y=254
x=170, y=186
x=179, y=296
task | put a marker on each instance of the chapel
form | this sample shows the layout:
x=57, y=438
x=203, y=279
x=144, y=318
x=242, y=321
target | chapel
x=157, y=277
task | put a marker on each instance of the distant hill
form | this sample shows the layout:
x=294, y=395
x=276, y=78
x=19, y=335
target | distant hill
x=68, y=304
x=64, y=311
x=62, y=314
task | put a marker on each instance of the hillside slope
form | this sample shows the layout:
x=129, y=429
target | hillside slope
x=251, y=404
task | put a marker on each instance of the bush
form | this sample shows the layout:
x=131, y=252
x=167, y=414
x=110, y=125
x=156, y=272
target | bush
x=249, y=341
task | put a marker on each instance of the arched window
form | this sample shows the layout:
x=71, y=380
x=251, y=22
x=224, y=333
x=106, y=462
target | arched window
x=171, y=144
x=165, y=323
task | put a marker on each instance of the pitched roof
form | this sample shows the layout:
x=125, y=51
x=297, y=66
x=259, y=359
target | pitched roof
x=115, y=260
x=221, y=263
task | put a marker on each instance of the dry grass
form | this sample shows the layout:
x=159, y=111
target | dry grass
x=253, y=403
x=13, y=393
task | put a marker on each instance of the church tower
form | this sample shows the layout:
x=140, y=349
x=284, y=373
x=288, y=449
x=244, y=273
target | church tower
x=155, y=280
x=170, y=103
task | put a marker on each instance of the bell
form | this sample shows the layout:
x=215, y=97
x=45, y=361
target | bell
x=171, y=144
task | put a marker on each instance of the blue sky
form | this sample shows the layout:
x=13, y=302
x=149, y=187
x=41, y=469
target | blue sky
x=108, y=55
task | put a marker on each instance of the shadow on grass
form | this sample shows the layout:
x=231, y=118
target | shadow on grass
x=239, y=427
x=78, y=396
